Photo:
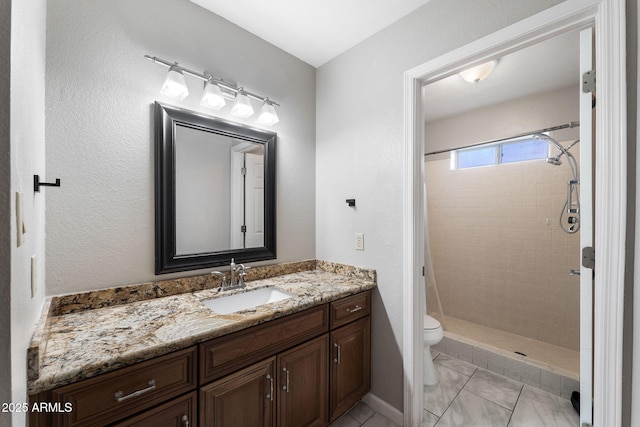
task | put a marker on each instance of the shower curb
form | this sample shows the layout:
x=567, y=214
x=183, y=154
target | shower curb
x=511, y=366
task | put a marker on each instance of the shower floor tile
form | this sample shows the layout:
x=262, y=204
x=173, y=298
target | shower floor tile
x=545, y=355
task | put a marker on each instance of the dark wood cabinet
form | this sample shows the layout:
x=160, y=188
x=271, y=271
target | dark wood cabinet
x=221, y=356
x=304, y=385
x=113, y=396
x=180, y=412
x=244, y=398
x=350, y=365
x=305, y=369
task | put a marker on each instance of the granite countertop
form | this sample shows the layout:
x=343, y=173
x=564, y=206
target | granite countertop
x=86, y=343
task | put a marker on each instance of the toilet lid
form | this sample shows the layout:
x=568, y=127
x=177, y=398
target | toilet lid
x=430, y=322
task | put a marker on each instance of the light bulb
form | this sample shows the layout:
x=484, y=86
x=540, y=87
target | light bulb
x=174, y=85
x=268, y=115
x=242, y=106
x=212, y=96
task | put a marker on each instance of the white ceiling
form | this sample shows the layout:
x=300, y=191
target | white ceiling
x=311, y=30
x=543, y=67
x=317, y=31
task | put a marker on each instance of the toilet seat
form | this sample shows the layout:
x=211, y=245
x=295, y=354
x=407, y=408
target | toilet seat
x=430, y=323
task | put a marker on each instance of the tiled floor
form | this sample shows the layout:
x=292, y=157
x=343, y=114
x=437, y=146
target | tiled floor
x=362, y=415
x=468, y=396
x=558, y=359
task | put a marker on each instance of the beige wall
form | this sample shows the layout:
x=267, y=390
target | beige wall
x=500, y=258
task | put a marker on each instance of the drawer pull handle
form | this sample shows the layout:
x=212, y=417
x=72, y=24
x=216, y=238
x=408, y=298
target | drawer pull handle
x=120, y=397
x=338, y=358
x=185, y=420
x=270, y=395
x=353, y=310
x=286, y=386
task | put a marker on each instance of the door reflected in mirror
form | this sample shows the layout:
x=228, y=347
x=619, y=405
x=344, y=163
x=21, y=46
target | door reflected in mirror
x=215, y=191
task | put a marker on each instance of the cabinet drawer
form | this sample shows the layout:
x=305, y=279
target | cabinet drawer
x=115, y=395
x=226, y=354
x=348, y=309
x=179, y=412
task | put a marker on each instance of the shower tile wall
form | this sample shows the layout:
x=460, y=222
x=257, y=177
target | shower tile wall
x=500, y=258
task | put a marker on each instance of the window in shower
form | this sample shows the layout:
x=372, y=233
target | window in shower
x=509, y=151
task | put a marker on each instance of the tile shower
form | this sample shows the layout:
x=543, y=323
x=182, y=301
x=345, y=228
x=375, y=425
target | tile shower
x=502, y=262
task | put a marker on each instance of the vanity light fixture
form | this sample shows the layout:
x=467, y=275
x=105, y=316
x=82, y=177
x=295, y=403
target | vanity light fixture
x=174, y=85
x=479, y=72
x=242, y=105
x=216, y=92
x=268, y=115
x=212, y=96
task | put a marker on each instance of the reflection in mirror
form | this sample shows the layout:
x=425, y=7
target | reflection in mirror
x=215, y=191
x=229, y=213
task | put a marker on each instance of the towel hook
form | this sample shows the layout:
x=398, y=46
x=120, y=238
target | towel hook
x=37, y=184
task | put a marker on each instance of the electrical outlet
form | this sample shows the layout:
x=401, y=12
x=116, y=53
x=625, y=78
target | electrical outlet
x=359, y=241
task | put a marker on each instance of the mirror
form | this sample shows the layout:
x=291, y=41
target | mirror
x=215, y=191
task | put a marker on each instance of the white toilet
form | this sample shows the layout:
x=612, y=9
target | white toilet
x=432, y=336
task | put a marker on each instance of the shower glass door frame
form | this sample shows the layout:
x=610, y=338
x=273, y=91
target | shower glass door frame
x=607, y=17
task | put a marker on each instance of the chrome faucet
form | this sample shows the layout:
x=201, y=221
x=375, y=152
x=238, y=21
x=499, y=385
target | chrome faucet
x=224, y=278
x=238, y=271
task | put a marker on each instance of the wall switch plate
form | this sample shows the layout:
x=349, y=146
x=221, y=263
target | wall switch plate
x=359, y=241
x=34, y=275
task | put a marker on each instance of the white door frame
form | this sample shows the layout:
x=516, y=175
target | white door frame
x=608, y=18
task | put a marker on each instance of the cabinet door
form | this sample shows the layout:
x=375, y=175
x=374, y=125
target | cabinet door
x=303, y=384
x=350, y=365
x=244, y=398
x=180, y=412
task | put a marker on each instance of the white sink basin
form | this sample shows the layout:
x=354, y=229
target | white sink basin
x=246, y=300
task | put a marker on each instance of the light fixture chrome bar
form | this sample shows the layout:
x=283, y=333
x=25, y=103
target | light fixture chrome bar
x=569, y=125
x=205, y=77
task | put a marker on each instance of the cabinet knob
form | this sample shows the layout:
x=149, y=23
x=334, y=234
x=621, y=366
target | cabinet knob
x=185, y=420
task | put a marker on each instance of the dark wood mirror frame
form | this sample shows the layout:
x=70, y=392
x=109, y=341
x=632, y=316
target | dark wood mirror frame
x=167, y=261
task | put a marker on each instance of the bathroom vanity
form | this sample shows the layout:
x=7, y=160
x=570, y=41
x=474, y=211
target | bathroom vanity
x=298, y=362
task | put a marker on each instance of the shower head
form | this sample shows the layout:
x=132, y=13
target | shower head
x=555, y=160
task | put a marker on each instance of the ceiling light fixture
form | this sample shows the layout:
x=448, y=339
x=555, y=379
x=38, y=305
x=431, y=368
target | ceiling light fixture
x=216, y=92
x=479, y=72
